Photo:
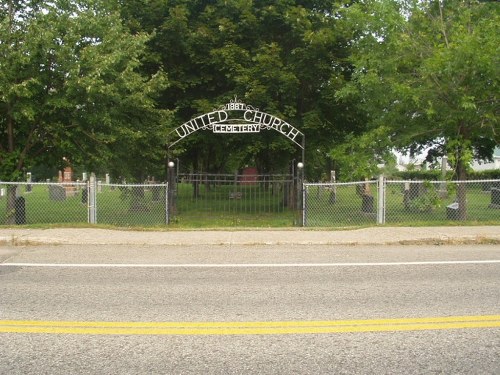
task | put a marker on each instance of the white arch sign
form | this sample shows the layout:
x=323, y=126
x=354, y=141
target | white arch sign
x=236, y=117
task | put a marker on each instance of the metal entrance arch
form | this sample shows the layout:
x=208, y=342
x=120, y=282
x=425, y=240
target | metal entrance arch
x=233, y=198
x=236, y=117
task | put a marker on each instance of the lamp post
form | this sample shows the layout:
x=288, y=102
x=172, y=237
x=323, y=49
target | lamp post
x=300, y=193
x=170, y=190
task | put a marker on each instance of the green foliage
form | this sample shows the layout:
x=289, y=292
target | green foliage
x=426, y=202
x=419, y=175
x=426, y=75
x=436, y=175
x=70, y=88
x=493, y=174
x=286, y=58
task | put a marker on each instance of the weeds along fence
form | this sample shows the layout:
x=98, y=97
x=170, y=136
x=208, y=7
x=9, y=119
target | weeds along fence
x=401, y=202
x=80, y=202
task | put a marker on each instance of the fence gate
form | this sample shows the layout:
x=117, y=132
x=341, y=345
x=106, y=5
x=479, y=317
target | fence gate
x=235, y=199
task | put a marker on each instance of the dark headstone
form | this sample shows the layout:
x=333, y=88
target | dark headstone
x=367, y=205
x=495, y=198
x=333, y=197
x=486, y=186
x=85, y=197
x=20, y=204
x=57, y=193
x=452, y=211
x=415, y=190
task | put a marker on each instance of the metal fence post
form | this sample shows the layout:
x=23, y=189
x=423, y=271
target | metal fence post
x=381, y=200
x=92, y=199
x=304, y=205
x=170, y=190
x=300, y=193
x=167, y=213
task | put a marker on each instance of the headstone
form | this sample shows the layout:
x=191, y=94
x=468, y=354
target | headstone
x=333, y=193
x=486, y=186
x=155, y=191
x=360, y=190
x=28, y=180
x=452, y=211
x=57, y=193
x=68, y=174
x=495, y=198
x=412, y=191
x=249, y=176
x=235, y=195
x=85, y=196
x=108, y=179
x=367, y=205
x=2, y=192
x=20, y=216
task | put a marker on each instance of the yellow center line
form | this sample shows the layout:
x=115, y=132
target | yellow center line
x=249, y=328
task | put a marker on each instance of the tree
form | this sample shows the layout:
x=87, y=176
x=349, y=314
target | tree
x=285, y=57
x=70, y=88
x=427, y=78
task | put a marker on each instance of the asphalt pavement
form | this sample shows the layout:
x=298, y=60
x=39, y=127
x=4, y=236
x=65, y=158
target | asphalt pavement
x=382, y=235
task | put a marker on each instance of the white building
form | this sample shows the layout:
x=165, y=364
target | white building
x=495, y=164
x=419, y=160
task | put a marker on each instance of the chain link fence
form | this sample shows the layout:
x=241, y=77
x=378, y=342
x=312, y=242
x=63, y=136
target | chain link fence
x=197, y=196
x=42, y=203
x=340, y=204
x=131, y=204
x=83, y=202
x=401, y=202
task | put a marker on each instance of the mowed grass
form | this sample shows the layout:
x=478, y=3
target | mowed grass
x=118, y=206
x=346, y=210
x=252, y=206
x=233, y=205
x=40, y=209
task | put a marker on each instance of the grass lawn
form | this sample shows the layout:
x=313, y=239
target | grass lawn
x=346, y=209
x=248, y=206
x=232, y=206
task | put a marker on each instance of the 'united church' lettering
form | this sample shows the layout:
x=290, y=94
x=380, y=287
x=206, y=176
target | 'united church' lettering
x=219, y=121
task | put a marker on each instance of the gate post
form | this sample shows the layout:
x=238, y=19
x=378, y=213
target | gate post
x=170, y=190
x=92, y=199
x=300, y=194
x=381, y=200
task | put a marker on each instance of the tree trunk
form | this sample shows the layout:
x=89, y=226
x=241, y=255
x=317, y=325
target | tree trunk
x=10, y=217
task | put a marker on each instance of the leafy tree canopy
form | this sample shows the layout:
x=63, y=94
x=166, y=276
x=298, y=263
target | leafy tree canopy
x=284, y=57
x=426, y=76
x=70, y=87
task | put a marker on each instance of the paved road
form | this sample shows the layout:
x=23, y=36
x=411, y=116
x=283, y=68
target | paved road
x=64, y=286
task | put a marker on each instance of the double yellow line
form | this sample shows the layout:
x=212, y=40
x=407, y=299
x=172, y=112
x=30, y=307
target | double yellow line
x=248, y=328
